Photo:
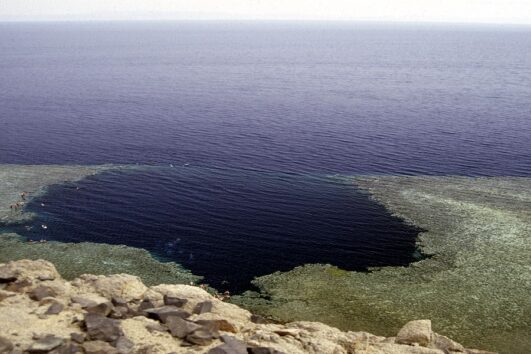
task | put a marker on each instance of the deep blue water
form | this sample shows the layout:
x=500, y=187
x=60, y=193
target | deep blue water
x=260, y=114
x=228, y=225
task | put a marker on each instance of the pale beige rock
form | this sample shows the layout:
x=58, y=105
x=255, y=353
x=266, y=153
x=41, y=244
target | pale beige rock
x=31, y=270
x=418, y=331
x=123, y=286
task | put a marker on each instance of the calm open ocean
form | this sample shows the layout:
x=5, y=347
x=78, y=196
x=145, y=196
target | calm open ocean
x=255, y=118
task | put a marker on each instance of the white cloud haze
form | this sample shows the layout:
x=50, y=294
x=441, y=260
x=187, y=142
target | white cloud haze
x=467, y=11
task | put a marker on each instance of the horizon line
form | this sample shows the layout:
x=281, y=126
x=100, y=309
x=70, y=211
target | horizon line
x=353, y=21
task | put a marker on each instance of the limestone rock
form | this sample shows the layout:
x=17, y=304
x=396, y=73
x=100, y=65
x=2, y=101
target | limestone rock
x=124, y=286
x=418, y=331
x=7, y=274
x=445, y=344
x=28, y=270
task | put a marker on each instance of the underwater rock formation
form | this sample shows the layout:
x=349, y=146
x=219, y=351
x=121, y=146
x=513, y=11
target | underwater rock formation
x=40, y=312
x=474, y=284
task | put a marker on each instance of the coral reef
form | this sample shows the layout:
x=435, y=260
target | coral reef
x=474, y=285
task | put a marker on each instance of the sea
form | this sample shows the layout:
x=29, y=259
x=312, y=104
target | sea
x=248, y=132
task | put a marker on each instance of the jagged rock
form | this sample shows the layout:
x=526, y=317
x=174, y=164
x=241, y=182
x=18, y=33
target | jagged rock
x=202, y=336
x=5, y=345
x=179, y=327
x=161, y=313
x=445, y=344
x=102, y=328
x=55, y=308
x=418, y=331
x=124, y=345
x=41, y=292
x=231, y=345
x=99, y=347
x=46, y=344
x=94, y=304
x=203, y=307
x=174, y=301
x=146, y=304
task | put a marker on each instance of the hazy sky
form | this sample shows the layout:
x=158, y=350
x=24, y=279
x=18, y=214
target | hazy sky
x=482, y=11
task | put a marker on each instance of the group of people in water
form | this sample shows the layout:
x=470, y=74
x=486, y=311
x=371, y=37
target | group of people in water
x=18, y=205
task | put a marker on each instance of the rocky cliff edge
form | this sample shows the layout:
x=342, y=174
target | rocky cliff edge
x=40, y=312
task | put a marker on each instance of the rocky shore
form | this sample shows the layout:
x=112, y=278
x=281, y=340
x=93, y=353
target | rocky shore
x=40, y=312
